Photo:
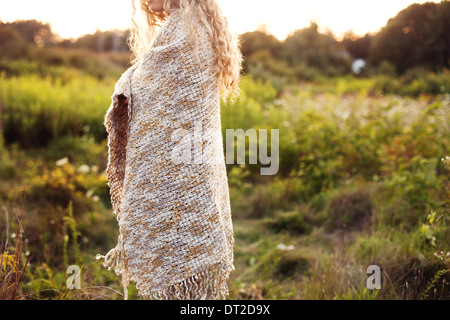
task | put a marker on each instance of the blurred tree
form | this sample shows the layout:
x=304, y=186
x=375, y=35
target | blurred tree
x=443, y=25
x=259, y=44
x=260, y=40
x=316, y=50
x=12, y=44
x=32, y=31
x=358, y=47
x=418, y=36
x=102, y=41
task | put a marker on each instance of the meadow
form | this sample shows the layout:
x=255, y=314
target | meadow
x=363, y=180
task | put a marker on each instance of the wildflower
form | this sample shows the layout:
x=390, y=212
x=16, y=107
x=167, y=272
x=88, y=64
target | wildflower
x=90, y=193
x=446, y=161
x=283, y=247
x=83, y=169
x=7, y=260
x=62, y=161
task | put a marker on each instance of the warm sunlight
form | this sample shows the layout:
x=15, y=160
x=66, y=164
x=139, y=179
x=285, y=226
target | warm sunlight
x=286, y=150
x=72, y=19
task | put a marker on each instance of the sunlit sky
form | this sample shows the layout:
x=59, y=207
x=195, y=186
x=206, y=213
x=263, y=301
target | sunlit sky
x=75, y=18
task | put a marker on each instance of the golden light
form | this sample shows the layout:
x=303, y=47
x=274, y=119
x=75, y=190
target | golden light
x=75, y=18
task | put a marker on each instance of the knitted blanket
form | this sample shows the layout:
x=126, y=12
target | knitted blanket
x=166, y=172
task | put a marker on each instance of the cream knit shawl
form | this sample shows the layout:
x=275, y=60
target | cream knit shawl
x=176, y=235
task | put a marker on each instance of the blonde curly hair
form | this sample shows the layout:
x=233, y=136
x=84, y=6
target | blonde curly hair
x=228, y=54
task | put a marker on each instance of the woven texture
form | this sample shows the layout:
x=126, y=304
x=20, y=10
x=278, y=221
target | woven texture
x=172, y=207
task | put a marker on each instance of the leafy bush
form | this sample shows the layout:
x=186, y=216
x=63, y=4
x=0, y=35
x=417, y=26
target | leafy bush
x=61, y=185
x=78, y=150
x=285, y=264
x=295, y=222
x=417, y=186
x=7, y=166
x=414, y=83
x=349, y=209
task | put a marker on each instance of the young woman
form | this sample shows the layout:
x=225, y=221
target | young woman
x=166, y=168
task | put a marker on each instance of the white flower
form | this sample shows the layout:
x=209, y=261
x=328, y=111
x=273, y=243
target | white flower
x=282, y=246
x=83, y=168
x=90, y=193
x=94, y=168
x=62, y=161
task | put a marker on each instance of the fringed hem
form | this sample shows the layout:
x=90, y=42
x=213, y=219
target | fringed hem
x=209, y=284
x=114, y=259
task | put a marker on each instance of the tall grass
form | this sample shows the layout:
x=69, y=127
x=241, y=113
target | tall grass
x=36, y=110
x=360, y=175
x=13, y=261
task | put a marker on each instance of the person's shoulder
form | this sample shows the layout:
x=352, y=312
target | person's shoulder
x=122, y=85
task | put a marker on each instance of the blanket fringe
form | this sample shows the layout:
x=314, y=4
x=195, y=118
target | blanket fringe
x=114, y=260
x=211, y=283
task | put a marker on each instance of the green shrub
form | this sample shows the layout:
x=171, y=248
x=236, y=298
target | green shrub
x=294, y=222
x=79, y=150
x=285, y=264
x=349, y=209
x=414, y=189
x=265, y=200
x=319, y=201
x=386, y=84
x=414, y=83
x=7, y=165
x=58, y=185
x=386, y=68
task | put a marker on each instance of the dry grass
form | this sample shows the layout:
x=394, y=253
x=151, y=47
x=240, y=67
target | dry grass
x=12, y=264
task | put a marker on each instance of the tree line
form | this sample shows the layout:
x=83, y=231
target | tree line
x=418, y=36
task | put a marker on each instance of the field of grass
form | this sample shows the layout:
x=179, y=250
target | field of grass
x=363, y=180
